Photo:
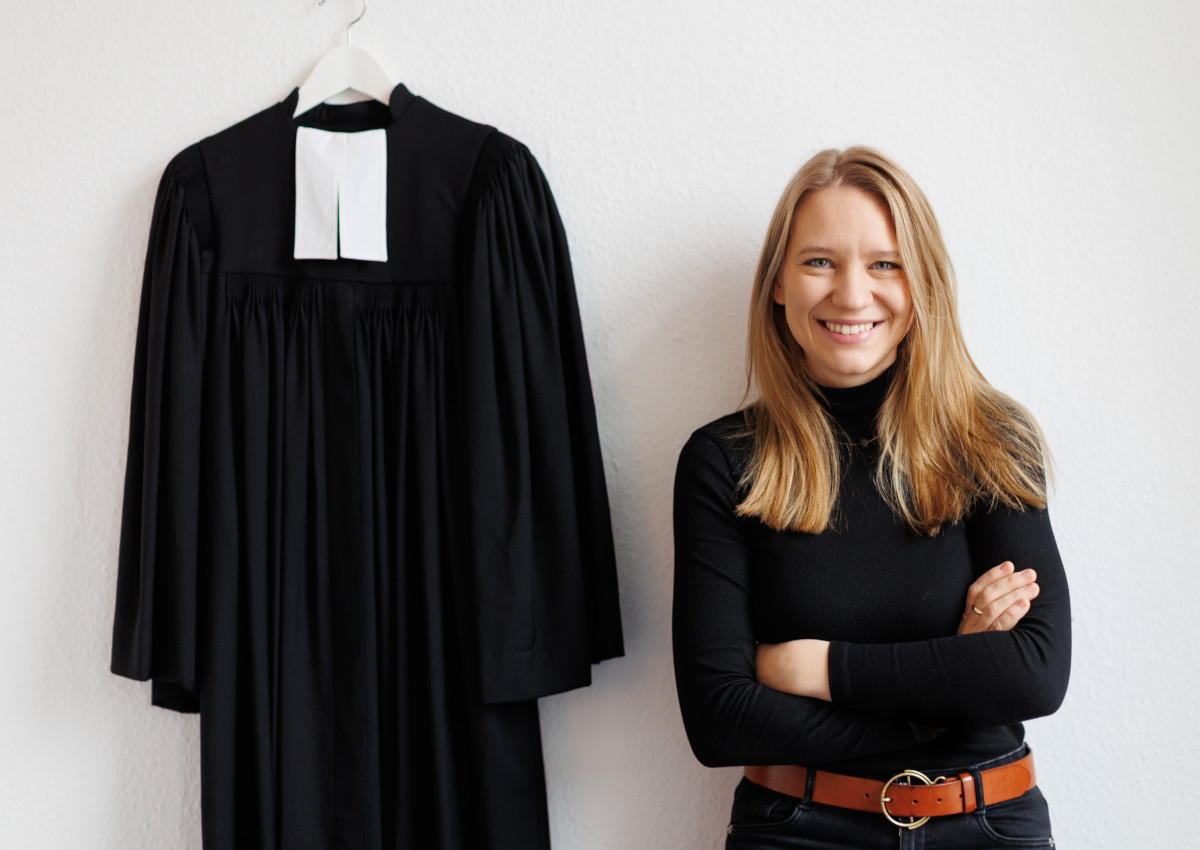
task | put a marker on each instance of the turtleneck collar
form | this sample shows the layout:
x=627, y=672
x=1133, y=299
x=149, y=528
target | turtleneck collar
x=855, y=408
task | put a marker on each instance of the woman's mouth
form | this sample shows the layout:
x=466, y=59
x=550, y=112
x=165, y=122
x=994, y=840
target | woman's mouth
x=848, y=329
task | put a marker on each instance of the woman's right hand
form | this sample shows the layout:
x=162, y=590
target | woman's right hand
x=1003, y=596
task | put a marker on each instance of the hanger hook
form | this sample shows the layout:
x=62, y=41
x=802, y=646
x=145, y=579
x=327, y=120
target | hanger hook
x=353, y=22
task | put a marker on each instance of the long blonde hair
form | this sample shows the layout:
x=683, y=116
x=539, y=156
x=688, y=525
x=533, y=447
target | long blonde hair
x=948, y=439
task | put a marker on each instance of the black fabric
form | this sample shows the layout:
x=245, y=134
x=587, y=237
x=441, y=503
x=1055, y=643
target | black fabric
x=907, y=692
x=365, y=520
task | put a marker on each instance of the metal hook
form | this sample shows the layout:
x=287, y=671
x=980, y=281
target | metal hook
x=353, y=22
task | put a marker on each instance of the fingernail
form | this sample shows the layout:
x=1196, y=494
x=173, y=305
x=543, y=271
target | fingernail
x=1031, y=575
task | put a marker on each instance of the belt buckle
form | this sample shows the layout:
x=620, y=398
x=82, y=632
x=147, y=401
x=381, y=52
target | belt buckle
x=884, y=799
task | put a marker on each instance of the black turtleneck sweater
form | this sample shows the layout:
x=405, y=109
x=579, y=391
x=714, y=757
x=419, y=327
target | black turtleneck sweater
x=889, y=601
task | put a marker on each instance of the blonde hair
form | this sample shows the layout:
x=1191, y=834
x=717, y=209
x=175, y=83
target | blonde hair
x=947, y=439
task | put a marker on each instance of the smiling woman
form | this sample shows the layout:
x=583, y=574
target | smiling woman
x=867, y=588
x=842, y=287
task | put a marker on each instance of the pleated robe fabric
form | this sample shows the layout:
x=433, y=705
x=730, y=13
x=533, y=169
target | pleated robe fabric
x=365, y=521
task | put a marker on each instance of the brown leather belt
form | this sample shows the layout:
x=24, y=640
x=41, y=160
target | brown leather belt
x=899, y=797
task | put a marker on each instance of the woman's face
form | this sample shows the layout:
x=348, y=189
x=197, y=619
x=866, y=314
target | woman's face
x=842, y=288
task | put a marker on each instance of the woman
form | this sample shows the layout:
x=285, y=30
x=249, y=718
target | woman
x=866, y=581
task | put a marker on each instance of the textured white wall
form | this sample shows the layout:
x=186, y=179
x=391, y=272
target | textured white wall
x=1058, y=141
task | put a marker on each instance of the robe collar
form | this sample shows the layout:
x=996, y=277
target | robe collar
x=341, y=177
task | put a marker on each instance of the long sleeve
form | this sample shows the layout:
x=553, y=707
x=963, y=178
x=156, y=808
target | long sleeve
x=154, y=631
x=984, y=679
x=544, y=571
x=730, y=718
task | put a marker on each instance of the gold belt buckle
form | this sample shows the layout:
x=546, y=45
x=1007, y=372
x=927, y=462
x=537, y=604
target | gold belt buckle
x=884, y=799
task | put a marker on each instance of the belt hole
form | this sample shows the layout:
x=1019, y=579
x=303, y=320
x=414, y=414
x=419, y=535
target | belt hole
x=914, y=800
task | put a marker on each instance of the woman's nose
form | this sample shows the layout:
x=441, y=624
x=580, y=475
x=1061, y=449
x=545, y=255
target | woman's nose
x=852, y=290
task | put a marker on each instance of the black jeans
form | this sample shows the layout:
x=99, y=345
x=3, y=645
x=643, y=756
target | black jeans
x=765, y=820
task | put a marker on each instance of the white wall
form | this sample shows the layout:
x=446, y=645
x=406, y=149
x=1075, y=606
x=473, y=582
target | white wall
x=1058, y=141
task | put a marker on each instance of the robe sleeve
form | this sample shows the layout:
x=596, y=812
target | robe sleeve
x=154, y=630
x=540, y=537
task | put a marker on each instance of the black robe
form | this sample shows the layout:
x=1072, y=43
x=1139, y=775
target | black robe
x=365, y=520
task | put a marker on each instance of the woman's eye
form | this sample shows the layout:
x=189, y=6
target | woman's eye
x=886, y=266
x=817, y=263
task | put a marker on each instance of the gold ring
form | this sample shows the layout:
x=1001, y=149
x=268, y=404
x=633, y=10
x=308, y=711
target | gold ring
x=976, y=610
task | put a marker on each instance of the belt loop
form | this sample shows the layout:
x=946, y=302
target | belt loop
x=970, y=800
x=981, y=805
x=809, y=779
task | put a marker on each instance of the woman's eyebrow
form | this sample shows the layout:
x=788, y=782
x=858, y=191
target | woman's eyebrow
x=816, y=249
x=880, y=254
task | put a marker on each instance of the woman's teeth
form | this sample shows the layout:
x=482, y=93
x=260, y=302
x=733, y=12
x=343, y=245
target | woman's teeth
x=848, y=330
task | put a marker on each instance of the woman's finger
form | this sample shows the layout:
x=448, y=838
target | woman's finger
x=1011, y=616
x=1002, y=613
x=1021, y=594
x=990, y=577
x=1001, y=587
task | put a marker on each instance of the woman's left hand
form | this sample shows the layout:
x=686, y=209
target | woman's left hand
x=998, y=599
x=799, y=667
